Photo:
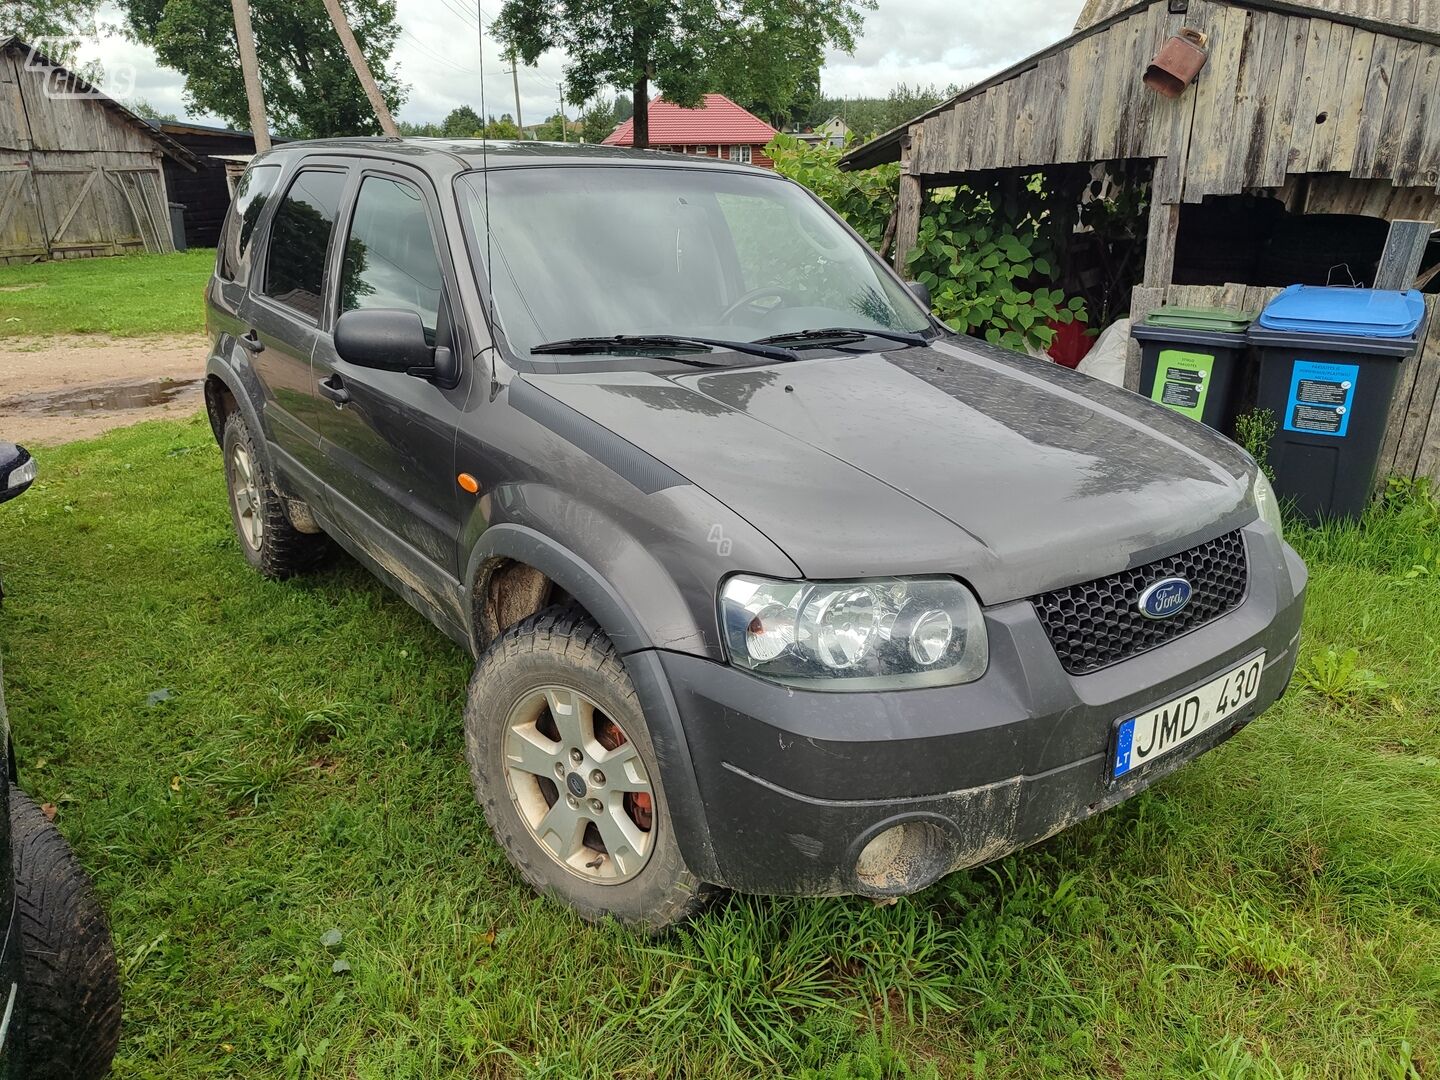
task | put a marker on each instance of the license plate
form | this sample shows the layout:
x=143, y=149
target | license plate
x=1156, y=732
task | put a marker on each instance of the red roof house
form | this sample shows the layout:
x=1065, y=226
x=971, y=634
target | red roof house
x=718, y=128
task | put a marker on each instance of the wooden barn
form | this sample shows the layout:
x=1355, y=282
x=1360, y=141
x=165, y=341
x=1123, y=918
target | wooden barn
x=80, y=174
x=1310, y=128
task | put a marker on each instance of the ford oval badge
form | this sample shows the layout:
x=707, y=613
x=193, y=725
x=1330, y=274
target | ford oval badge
x=1165, y=598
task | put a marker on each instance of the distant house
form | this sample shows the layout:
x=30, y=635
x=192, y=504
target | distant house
x=718, y=128
x=80, y=174
x=204, y=191
x=833, y=132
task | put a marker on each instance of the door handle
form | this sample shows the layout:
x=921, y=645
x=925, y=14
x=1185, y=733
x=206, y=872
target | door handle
x=250, y=342
x=333, y=388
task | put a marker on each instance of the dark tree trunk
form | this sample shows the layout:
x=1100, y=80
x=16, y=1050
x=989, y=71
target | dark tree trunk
x=641, y=96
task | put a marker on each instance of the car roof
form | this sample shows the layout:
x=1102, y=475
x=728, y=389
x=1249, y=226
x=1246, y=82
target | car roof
x=449, y=156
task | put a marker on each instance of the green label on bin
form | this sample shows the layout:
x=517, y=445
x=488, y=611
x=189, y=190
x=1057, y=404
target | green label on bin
x=1182, y=381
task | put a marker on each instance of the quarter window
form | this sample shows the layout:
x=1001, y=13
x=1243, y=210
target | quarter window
x=251, y=194
x=300, y=238
x=390, y=259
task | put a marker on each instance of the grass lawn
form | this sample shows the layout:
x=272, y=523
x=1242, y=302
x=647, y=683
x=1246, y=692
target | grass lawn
x=1272, y=911
x=126, y=296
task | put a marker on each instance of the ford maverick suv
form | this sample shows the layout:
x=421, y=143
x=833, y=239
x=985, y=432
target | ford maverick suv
x=773, y=582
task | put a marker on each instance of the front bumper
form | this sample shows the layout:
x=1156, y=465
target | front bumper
x=794, y=783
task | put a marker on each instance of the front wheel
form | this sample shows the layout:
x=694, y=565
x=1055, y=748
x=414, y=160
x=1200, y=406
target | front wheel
x=564, y=768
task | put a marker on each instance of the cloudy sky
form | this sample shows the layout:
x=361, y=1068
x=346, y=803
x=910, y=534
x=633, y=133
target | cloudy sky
x=914, y=41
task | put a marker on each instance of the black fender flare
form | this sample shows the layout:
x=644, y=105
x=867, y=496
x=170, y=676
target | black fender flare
x=218, y=368
x=565, y=569
x=637, y=651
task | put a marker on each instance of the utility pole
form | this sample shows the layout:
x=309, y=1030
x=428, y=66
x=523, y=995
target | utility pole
x=515, y=77
x=362, y=69
x=563, y=136
x=250, y=69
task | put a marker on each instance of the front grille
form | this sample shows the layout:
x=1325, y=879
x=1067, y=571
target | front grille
x=1099, y=623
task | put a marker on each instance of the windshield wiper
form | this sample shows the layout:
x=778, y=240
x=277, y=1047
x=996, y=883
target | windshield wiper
x=623, y=343
x=843, y=334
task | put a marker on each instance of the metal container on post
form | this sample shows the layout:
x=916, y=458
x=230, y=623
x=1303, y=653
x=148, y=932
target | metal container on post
x=1329, y=362
x=1190, y=360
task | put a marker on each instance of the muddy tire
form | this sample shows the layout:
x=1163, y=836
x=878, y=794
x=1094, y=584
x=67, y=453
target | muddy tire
x=564, y=768
x=69, y=1017
x=268, y=539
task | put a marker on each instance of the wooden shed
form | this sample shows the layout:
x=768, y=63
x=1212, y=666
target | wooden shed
x=80, y=174
x=1327, y=107
x=204, y=190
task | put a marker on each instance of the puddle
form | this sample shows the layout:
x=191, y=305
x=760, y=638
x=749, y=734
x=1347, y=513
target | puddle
x=111, y=397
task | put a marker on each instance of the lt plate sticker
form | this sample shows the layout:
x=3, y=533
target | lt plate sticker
x=1152, y=734
x=1182, y=381
x=1321, y=397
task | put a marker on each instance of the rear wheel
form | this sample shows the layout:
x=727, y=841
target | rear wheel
x=268, y=539
x=69, y=1018
x=564, y=768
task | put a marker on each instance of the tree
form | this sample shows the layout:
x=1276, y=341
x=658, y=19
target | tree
x=49, y=25
x=598, y=121
x=683, y=47
x=141, y=107
x=771, y=70
x=310, y=88
x=462, y=123
x=504, y=128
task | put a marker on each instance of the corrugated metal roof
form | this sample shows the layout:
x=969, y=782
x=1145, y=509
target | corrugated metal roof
x=717, y=120
x=1421, y=14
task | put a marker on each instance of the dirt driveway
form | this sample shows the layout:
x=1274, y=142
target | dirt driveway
x=53, y=390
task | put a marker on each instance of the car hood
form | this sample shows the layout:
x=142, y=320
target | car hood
x=1015, y=474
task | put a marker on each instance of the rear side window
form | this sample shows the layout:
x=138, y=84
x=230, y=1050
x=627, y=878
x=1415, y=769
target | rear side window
x=251, y=194
x=390, y=259
x=300, y=238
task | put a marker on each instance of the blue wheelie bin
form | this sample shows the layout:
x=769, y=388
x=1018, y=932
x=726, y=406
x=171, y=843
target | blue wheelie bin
x=1329, y=361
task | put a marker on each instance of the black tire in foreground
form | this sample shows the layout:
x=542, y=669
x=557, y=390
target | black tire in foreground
x=564, y=768
x=268, y=539
x=69, y=1020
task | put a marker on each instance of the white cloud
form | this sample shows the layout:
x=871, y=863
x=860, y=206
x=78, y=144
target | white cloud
x=912, y=41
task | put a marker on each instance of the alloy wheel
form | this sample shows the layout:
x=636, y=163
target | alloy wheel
x=579, y=785
x=245, y=492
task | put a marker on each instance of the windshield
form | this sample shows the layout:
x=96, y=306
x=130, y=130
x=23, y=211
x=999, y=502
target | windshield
x=591, y=251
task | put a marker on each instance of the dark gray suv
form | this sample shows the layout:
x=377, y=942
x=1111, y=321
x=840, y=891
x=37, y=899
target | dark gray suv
x=773, y=582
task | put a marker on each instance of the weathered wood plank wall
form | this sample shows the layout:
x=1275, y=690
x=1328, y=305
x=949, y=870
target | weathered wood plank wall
x=85, y=179
x=1282, y=95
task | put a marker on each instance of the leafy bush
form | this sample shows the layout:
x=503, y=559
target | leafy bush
x=987, y=257
x=989, y=260
x=1254, y=431
x=864, y=199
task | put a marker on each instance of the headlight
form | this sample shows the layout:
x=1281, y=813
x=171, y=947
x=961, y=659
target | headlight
x=22, y=474
x=889, y=633
x=1267, y=503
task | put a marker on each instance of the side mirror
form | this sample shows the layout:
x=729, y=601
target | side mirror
x=383, y=338
x=921, y=291
x=17, y=471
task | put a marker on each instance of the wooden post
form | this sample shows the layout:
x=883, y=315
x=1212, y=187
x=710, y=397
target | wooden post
x=907, y=212
x=250, y=68
x=1403, y=255
x=1160, y=245
x=362, y=69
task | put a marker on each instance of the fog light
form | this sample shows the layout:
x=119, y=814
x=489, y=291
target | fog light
x=903, y=858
